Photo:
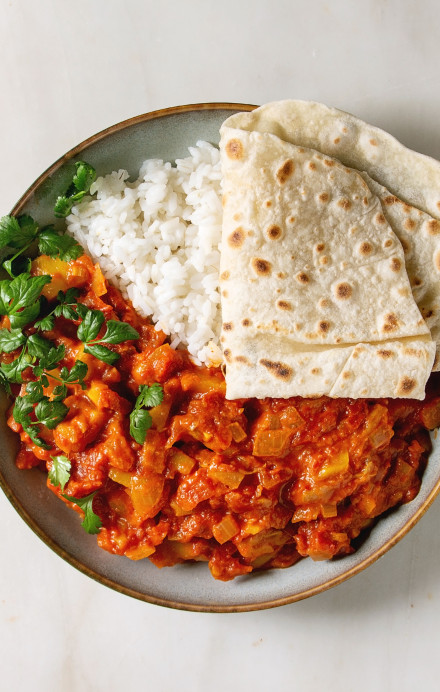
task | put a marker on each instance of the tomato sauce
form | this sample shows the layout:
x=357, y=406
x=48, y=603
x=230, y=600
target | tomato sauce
x=243, y=484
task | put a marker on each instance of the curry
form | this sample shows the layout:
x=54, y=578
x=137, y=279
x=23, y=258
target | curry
x=241, y=484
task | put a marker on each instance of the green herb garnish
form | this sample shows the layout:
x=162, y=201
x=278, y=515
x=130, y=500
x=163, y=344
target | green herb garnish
x=81, y=183
x=91, y=522
x=140, y=418
x=59, y=474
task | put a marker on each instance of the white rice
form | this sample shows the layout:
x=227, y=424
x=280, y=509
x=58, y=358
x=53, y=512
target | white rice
x=158, y=240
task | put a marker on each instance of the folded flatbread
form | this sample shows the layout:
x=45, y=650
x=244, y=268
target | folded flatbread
x=315, y=295
x=406, y=182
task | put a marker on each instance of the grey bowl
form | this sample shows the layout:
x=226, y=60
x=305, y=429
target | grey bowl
x=166, y=134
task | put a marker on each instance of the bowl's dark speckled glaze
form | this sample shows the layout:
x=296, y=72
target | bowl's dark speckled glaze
x=166, y=134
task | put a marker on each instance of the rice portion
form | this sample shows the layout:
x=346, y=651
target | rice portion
x=158, y=239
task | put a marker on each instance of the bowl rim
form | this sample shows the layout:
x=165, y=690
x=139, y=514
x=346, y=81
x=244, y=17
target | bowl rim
x=100, y=578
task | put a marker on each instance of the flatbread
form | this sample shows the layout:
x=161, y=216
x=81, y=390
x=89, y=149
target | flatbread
x=419, y=235
x=315, y=295
x=413, y=177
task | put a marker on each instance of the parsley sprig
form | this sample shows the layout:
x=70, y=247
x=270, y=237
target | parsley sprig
x=59, y=476
x=140, y=418
x=82, y=180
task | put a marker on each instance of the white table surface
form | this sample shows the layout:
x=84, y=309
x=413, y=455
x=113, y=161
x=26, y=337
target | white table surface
x=69, y=69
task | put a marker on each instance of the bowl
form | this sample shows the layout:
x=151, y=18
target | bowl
x=166, y=134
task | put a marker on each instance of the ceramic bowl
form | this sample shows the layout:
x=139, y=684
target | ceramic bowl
x=166, y=134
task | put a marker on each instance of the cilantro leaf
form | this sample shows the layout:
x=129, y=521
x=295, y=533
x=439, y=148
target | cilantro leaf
x=91, y=522
x=90, y=326
x=46, y=324
x=116, y=332
x=4, y=382
x=50, y=413
x=17, y=265
x=18, y=232
x=84, y=177
x=76, y=374
x=24, y=290
x=63, y=206
x=50, y=359
x=81, y=182
x=5, y=298
x=51, y=243
x=38, y=346
x=10, y=340
x=149, y=396
x=59, y=392
x=59, y=474
x=12, y=371
x=69, y=296
x=140, y=422
x=140, y=418
x=20, y=319
x=23, y=407
x=33, y=434
x=9, y=228
x=102, y=353
x=34, y=392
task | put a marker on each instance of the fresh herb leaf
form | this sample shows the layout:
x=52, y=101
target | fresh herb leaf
x=46, y=324
x=33, y=434
x=20, y=319
x=4, y=382
x=82, y=180
x=10, y=340
x=140, y=422
x=69, y=296
x=24, y=290
x=50, y=413
x=59, y=474
x=82, y=310
x=52, y=243
x=76, y=374
x=9, y=229
x=116, y=332
x=84, y=177
x=34, y=392
x=140, y=418
x=102, y=353
x=149, y=396
x=23, y=407
x=19, y=264
x=63, y=206
x=59, y=392
x=38, y=346
x=89, y=328
x=16, y=233
x=91, y=522
x=50, y=360
x=12, y=371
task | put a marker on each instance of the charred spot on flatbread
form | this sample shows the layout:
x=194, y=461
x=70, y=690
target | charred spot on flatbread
x=285, y=171
x=343, y=290
x=234, y=149
x=433, y=226
x=284, y=305
x=344, y=203
x=390, y=323
x=395, y=264
x=302, y=278
x=261, y=266
x=279, y=370
x=237, y=237
x=406, y=386
x=274, y=232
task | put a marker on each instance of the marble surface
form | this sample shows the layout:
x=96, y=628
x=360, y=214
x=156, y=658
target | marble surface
x=68, y=70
